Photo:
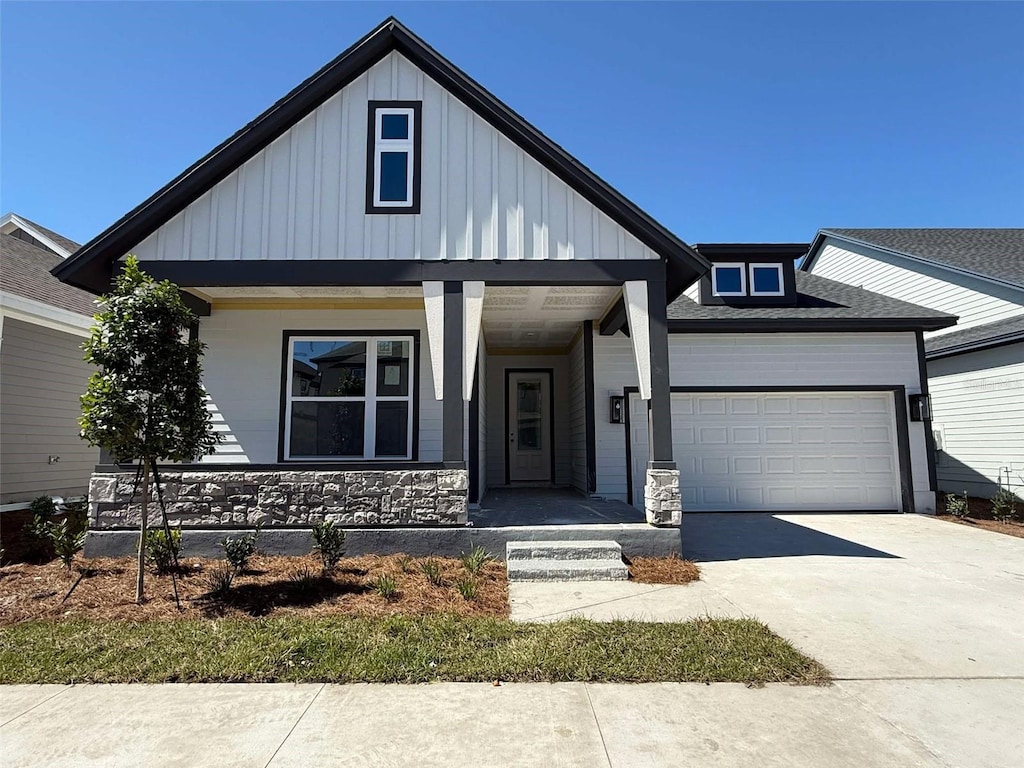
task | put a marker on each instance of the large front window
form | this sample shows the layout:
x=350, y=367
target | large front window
x=349, y=397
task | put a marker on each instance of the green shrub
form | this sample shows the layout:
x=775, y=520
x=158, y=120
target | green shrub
x=161, y=550
x=66, y=541
x=386, y=586
x=475, y=559
x=432, y=570
x=330, y=543
x=405, y=563
x=467, y=588
x=238, y=549
x=43, y=508
x=1004, y=505
x=956, y=505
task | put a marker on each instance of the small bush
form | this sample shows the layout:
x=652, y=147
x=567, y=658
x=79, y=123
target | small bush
x=330, y=543
x=467, y=588
x=67, y=542
x=405, y=563
x=77, y=514
x=218, y=581
x=304, y=582
x=386, y=586
x=238, y=549
x=956, y=505
x=1004, y=505
x=43, y=508
x=475, y=559
x=432, y=570
x=161, y=550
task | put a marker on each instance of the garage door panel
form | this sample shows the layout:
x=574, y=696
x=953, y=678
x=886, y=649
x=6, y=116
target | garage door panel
x=779, y=451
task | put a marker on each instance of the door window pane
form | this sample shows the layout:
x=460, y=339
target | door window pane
x=327, y=428
x=393, y=368
x=392, y=428
x=528, y=417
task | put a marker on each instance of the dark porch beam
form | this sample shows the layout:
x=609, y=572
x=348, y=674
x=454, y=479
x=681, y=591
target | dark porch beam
x=661, y=391
x=452, y=422
x=199, y=307
x=615, y=319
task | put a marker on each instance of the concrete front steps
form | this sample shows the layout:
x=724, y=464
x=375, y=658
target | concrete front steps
x=565, y=561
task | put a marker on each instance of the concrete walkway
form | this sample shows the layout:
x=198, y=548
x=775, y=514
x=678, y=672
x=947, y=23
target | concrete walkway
x=922, y=622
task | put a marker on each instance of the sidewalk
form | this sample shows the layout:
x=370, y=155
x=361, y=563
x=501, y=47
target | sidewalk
x=452, y=724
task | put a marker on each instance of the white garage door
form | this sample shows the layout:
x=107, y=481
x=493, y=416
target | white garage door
x=777, y=451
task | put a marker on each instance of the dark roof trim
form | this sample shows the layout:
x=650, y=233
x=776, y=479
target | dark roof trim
x=778, y=250
x=90, y=267
x=808, y=263
x=975, y=346
x=807, y=325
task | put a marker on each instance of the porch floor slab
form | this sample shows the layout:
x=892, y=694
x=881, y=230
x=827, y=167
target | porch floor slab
x=503, y=507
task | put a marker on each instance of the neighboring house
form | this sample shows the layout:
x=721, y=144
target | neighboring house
x=43, y=323
x=975, y=369
x=410, y=296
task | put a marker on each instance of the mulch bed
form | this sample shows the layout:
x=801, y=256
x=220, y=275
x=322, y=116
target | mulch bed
x=662, y=570
x=979, y=515
x=271, y=586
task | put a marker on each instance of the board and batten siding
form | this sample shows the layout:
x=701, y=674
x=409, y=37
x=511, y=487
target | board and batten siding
x=978, y=406
x=760, y=360
x=304, y=196
x=976, y=302
x=578, y=414
x=42, y=377
x=242, y=374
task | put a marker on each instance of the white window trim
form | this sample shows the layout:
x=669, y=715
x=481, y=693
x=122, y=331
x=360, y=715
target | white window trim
x=782, y=284
x=741, y=266
x=370, y=398
x=394, y=145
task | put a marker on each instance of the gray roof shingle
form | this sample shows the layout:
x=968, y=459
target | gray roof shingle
x=992, y=253
x=67, y=244
x=25, y=271
x=818, y=299
x=977, y=337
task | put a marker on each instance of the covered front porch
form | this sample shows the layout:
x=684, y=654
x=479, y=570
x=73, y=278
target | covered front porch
x=512, y=506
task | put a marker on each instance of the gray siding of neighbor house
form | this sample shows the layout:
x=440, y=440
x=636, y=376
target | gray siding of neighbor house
x=42, y=375
x=978, y=406
x=578, y=415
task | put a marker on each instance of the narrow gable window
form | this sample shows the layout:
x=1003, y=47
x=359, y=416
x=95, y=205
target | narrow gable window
x=728, y=280
x=766, y=280
x=393, y=157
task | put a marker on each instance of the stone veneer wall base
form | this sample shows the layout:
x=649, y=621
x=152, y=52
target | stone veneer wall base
x=662, y=502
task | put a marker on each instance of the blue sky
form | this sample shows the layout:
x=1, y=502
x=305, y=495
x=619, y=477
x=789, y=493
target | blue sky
x=726, y=121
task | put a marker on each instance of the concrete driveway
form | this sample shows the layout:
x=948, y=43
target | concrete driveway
x=921, y=621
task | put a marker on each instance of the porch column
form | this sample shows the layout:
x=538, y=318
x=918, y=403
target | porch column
x=647, y=314
x=452, y=421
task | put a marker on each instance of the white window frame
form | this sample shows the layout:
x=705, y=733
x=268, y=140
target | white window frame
x=782, y=284
x=369, y=397
x=394, y=145
x=741, y=266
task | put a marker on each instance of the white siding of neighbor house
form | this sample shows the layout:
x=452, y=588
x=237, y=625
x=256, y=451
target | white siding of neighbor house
x=756, y=360
x=497, y=404
x=242, y=373
x=578, y=414
x=304, y=196
x=42, y=376
x=976, y=302
x=978, y=404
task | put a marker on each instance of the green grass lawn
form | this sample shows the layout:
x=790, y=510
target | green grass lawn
x=399, y=649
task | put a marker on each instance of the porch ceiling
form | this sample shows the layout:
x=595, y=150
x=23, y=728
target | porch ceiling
x=538, y=316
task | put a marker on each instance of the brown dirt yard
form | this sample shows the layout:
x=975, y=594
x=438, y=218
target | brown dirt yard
x=979, y=515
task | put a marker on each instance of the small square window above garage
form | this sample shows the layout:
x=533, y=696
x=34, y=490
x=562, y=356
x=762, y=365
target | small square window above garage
x=749, y=274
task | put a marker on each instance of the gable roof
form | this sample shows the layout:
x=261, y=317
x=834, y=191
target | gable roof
x=976, y=337
x=995, y=254
x=91, y=267
x=53, y=241
x=822, y=305
x=25, y=271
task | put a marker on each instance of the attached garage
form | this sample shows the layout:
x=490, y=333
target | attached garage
x=785, y=450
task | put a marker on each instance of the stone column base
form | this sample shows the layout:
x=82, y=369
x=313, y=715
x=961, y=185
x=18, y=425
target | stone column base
x=662, y=502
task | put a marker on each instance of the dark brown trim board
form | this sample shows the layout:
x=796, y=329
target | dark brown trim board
x=588, y=405
x=473, y=460
x=807, y=325
x=551, y=416
x=453, y=407
x=929, y=432
x=902, y=427
x=286, y=337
